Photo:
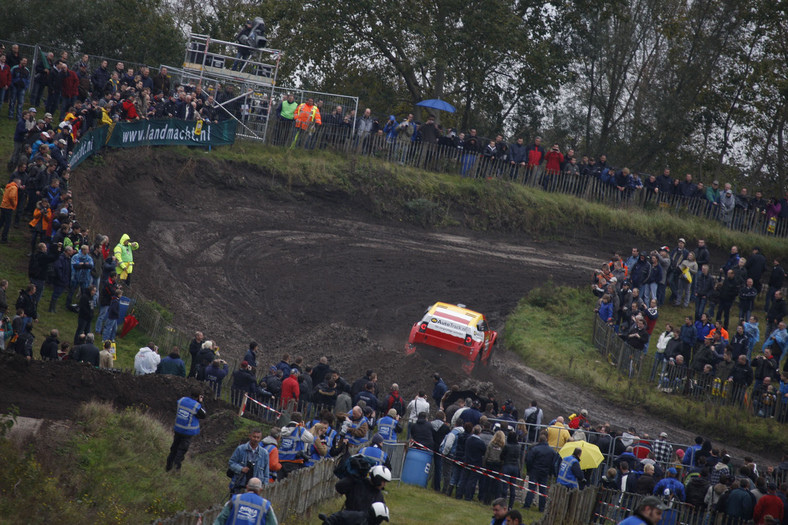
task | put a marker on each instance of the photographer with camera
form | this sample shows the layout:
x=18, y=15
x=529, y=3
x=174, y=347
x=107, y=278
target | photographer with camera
x=361, y=491
x=294, y=446
x=187, y=425
x=249, y=460
x=251, y=36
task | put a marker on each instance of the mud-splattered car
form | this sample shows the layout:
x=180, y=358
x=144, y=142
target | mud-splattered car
x=456, y=329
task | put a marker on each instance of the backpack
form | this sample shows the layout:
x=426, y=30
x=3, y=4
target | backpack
x=493, y=455
x=398, y=405
x=532, y=417
x=357, y=466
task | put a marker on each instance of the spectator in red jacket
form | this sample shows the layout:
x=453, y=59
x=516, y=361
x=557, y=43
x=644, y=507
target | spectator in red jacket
x=769, y=505
x=554, y=159
x=70, y=88
x=534, y=154
x=129, y=109
x=290, y=389
x=5, y=79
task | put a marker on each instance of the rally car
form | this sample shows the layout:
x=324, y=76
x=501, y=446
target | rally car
x=456, y=329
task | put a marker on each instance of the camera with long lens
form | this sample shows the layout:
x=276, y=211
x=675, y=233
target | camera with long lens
x=256, y=37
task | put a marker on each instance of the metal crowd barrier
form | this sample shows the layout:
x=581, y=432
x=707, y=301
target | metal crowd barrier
x=675, y=379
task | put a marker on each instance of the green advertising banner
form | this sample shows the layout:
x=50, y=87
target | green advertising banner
x=164, y=132
x=89, y=144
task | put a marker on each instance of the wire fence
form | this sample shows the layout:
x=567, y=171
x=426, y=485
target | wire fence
x=687, y=379
x=300, y=491
x=612, y=506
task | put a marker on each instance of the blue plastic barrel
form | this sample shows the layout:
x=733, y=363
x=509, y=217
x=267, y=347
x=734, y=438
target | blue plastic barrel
x=416, y=469
x=125, y=303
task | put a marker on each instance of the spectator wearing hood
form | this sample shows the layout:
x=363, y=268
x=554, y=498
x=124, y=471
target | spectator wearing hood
x=147, y=360
x=172, y=364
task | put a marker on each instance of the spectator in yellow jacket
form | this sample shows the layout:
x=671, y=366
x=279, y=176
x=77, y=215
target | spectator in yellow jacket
x=123, y=253
x=557, y=434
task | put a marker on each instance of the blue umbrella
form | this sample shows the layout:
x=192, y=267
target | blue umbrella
x=436, y=103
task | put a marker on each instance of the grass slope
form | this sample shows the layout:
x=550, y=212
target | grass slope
x=436, y=200
x=551, y=330
x=108, y=469
x=412, y=505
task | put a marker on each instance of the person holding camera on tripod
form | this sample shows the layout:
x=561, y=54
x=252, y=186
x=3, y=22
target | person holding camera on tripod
x=249, y=460
x=243, y=50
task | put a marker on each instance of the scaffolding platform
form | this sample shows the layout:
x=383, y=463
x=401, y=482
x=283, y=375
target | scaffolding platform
x=230, y=61
x=249, y=75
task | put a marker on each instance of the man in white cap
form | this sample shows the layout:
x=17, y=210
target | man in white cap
x=663, y=451
x=249, y=507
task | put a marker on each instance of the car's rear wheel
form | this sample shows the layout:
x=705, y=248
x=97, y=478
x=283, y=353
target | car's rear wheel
x=489, y=356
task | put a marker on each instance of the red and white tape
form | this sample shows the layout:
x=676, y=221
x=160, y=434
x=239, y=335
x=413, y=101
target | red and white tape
x=253, y=400
x=520, y=483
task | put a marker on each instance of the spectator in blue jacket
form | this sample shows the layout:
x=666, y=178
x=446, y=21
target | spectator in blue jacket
x=81, y=266
x=732, y=263
x=605, y=309
x=20, y=82
x=215, y=374
x=249, y=460
x=517, y=157
x=172, y=365
x=390, y=129
x=251, y=355
x=690, y=459
x=439, y=389
x=113, y=317
x=669, y=483
x=688, y=335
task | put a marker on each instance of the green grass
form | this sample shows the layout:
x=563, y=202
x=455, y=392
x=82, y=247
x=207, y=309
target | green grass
x=551, y=330
x=411, y=505
x=109, y=470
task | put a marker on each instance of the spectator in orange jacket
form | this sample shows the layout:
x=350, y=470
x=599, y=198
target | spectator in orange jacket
x=8, y=206
x=41, y=225
x=290, y=389
x=306, y=114
x=271, y=444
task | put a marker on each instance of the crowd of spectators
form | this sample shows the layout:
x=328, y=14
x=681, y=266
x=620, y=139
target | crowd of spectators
x=478, y=432
x=703, y=356
x=68, y=259
x=77, y=98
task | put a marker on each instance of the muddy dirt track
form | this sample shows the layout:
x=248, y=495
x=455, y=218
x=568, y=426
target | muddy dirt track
x=317, y=275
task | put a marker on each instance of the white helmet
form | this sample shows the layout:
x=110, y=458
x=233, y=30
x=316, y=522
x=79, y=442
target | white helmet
x=380, y=473
x=379, y=511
